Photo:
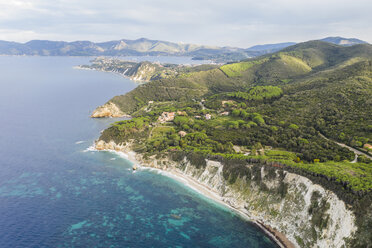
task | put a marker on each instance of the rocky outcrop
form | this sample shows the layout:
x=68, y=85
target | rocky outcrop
x=107, y=110
x=306, y=213
x=102, y=145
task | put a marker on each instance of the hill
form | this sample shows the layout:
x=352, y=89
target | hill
x=281, y=68
x=326, y=88
x=270, y=48
x=306, y=109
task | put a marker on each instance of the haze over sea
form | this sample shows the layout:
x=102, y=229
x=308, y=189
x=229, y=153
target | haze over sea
x=55, y=193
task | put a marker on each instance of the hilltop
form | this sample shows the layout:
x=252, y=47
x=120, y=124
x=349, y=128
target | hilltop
x=343, y=41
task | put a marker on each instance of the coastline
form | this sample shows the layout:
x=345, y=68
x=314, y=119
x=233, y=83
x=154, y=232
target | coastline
x=277, y=237
x=79, y=67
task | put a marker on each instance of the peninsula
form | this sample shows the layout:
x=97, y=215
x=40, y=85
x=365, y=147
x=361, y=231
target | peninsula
x=264, y=134
x=143, y=71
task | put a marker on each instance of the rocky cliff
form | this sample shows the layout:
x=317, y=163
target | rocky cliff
x=308, y=214
x=144, y=72
x=107, y=110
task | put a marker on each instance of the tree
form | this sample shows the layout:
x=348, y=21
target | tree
x=181, y=120
x=233, y=125
x=259, y=120
x=293, y=126
x=235, y=112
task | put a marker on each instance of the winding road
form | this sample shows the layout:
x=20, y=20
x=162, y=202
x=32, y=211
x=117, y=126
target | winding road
x=356, y=152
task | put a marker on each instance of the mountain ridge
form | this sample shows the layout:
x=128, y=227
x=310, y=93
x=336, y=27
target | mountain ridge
x=144, y=46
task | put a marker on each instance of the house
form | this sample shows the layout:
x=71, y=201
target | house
x=182, y=113
x=151, y=102
x=208, y=116
x=182, y=133
x=225, y=113
x=166, y=116
x=367, y=146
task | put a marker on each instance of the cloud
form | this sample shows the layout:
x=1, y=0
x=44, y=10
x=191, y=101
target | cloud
x=235, y=22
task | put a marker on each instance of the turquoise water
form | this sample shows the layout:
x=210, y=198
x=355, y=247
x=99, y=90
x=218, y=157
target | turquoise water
x=56, y=193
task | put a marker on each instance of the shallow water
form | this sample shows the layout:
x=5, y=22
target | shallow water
x=55, y=193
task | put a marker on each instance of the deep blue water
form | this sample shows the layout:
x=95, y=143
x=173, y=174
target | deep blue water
x=54, y=193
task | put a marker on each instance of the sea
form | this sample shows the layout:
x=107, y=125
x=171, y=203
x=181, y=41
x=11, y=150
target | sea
x=56, y=192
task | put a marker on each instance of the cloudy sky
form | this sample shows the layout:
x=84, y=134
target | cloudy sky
x=241, y=23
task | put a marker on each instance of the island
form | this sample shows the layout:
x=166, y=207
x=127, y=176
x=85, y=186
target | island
x=284, y=138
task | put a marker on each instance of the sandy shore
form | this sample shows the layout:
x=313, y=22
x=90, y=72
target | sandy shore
x=274, y=235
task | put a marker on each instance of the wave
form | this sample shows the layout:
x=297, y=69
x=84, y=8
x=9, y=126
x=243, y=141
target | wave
x=91, y=148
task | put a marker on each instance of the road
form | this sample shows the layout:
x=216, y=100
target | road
x=356, y=152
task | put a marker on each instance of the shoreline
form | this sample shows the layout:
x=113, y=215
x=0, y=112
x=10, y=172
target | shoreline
x=138, y=82
x=277, y=237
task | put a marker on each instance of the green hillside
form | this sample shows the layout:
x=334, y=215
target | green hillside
x=316, y=87
x=286, y=109
x=289, y=66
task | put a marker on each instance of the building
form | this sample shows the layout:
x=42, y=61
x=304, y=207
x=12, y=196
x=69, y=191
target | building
x=225, y=113
x=182, y=133
x=182, y=113
x=367, y=146
x=166, y=116
x=208, y=116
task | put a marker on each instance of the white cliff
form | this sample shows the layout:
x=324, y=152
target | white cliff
x=288, y=213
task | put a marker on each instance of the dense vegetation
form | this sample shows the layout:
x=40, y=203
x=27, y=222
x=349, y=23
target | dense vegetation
x=258, y=93
x=235, y=69
x=275, y=111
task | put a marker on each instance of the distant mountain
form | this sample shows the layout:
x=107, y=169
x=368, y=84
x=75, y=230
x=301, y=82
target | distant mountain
x=111, y=48
x=343, y=41
x=259, y=50
x=271, y=47
x=145, y=46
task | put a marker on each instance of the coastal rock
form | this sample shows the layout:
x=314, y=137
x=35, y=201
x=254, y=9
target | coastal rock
x=107, y=110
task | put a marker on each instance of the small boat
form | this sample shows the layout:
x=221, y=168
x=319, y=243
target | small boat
x=134, y=167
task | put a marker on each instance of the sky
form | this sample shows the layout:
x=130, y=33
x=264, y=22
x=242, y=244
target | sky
x=239, y=23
